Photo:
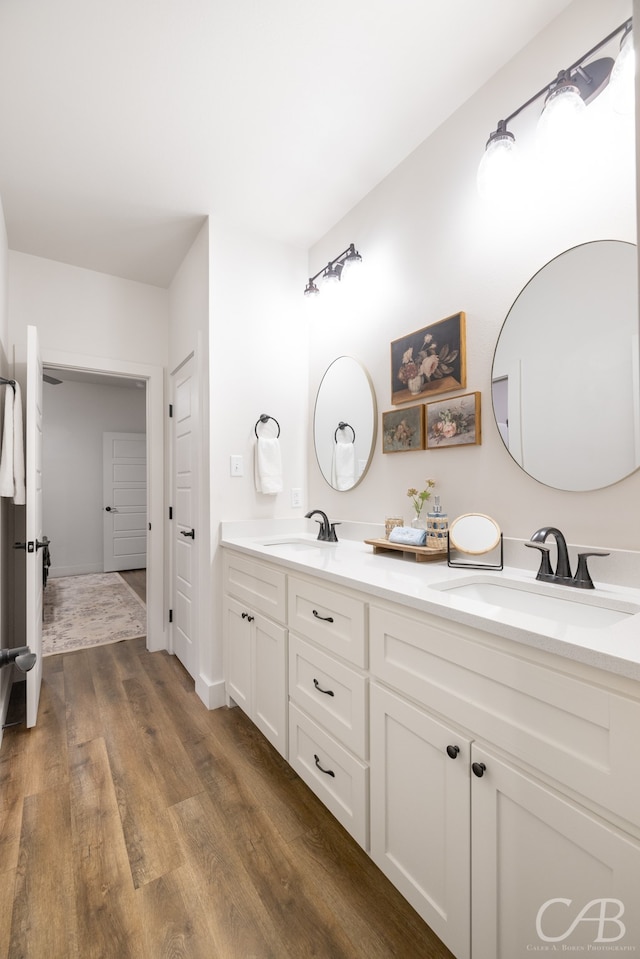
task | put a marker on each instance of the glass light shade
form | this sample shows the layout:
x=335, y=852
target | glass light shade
x=561, y=118
x=331, y=276
x=622, y=82
x=352, y=259
x=498, y=167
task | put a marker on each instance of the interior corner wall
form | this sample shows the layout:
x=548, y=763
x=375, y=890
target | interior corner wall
x=258, y=351
x=75, y=417
x=189, y=335
x=432, y=248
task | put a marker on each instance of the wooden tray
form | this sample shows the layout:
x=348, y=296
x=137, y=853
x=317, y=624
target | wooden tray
x=423, y=554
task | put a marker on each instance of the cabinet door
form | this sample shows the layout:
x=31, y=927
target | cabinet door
x=547, y=874
x=238, y=654
x=420, y=813
x=270, y=681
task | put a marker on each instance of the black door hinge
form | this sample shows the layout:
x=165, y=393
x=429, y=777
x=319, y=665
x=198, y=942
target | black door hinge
x=170, y=615
x=170, y=410
x=171, y=512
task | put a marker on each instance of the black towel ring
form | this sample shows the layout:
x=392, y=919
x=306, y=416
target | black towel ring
x=344, y=426
x=6, y=382
x=264, y=418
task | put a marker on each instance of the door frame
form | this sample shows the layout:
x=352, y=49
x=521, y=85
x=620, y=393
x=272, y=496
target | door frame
x=156, y=555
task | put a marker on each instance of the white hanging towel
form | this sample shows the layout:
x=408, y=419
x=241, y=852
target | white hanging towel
x=268, y=466
x=343, y=465
x=12, y=455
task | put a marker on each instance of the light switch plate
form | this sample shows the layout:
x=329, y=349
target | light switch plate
x=237, y=466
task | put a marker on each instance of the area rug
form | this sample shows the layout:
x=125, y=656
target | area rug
x=90, y=610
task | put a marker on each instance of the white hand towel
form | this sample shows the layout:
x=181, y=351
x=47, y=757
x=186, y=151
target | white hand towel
x=12, y=456
x=343, y=465
x=268, y=466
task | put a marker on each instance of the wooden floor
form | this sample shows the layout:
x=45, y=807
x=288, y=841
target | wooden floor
x=137, y=580
x=135, y=823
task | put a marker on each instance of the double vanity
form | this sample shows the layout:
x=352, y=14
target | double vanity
x=475, y=731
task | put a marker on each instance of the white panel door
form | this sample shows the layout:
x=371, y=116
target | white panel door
x=34, y=536
x=124, y=485
x=184, y=393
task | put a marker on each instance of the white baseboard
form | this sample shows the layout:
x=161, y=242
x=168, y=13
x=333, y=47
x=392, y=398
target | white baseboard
x=211, y=694
x=57, y=571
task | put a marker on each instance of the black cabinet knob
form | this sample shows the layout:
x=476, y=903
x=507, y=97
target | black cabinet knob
x=452, y=751
x=478, y=769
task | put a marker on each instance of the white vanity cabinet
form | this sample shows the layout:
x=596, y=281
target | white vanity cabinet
x=545, y=764
x=256, y=644
x=495, y=783
x=328, y=691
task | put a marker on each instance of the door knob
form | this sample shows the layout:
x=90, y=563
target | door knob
x=111, y=509
x=188, y=532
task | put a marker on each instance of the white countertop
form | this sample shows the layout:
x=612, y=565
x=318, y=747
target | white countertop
x=400, y=579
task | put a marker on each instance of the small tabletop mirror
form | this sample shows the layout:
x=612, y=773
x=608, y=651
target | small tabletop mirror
x=474, y=533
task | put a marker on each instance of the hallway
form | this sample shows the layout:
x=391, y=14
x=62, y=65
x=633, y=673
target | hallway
x=135, y=823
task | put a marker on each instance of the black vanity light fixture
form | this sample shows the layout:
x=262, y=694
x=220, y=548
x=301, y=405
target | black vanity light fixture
x=566, y=96
x=332, y=272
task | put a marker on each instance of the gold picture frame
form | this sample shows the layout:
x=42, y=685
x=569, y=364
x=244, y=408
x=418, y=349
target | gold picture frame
x=430, y=361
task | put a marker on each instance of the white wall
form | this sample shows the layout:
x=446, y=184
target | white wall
x=75, y=416
x=431, y=248
x=84, y=312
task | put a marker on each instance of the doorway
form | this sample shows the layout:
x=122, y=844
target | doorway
x=58, y=365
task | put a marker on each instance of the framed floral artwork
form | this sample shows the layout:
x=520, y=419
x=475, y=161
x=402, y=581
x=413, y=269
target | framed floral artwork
x=430, y=361
x=453, y=422
x=403, y=430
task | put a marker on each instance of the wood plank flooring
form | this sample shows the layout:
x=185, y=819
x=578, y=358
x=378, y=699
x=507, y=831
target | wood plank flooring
x=136, y=824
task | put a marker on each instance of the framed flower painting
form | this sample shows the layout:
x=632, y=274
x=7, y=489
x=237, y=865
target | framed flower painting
x=430, y=361
x=453, y=422
x=403, y=430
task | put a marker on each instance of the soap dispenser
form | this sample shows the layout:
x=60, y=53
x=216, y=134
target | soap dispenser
x=437, y=526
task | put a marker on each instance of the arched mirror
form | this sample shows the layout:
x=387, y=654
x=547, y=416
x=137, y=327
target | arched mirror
x=565, y=378
x=344, y=423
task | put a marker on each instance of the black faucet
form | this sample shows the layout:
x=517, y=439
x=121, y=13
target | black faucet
x=327, y=531
x=582, y=579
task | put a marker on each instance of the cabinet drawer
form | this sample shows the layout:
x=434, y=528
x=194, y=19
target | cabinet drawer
x=331, y=618
x=332, y=693
x=574, y=731
x=262, y=587
x=344, y=785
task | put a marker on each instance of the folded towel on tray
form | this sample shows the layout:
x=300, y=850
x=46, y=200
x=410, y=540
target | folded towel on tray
x=408, y=536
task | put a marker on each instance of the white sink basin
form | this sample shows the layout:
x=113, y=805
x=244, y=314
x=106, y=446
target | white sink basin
x=297, y=543
x=562, y=604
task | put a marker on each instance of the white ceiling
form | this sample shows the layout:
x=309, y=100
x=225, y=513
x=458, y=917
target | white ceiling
x=124, y=123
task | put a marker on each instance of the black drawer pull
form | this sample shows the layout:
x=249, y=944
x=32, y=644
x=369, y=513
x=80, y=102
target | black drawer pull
x=327, y=772
x=452, y=751
x=327, y=692
x=478, y=769
x=325, y=619
x=248, y=617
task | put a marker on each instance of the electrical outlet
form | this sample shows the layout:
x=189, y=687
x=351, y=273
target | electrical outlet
x=296, y=498
x=237, y=467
